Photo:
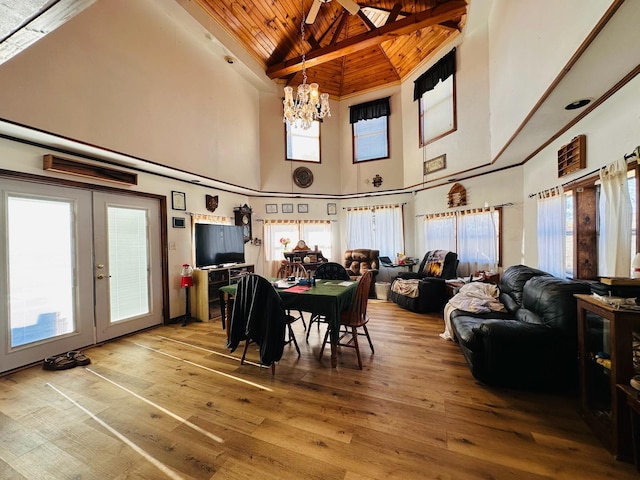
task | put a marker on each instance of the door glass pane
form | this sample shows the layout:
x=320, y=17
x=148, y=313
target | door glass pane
x=128, y=262
x=41, y=267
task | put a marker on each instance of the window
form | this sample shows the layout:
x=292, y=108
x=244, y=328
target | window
x=378, y=227
x=474, y=235
x=584, y=255
x=370, y=139
x=551, y=232
x=370, y=130
x=569, y=234
x=437, y=111
x=440, y=233
x=303, y=145
x=436, y=91
x=312, y=232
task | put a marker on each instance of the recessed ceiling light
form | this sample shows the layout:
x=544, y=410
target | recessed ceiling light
x=578, y=104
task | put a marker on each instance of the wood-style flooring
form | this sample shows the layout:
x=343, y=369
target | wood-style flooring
x=171, y=403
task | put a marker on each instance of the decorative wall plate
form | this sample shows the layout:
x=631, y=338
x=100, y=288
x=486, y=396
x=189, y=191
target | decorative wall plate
x=303, y=177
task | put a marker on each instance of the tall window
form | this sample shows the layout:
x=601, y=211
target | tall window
x=440, y=232
x=585, y=241
x=370, y=130
x=551, y=232
x=380, y=228
x=301, y=144
x=311, y=231
x=473, y=234
x=436, y=91
x=569, y=226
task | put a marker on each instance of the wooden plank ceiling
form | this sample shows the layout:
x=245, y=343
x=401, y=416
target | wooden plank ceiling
x=345, y=54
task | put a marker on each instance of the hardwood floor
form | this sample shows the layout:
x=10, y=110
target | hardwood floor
x=171, y=403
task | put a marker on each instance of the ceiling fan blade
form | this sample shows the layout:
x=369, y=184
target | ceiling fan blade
x=313, y=12
x=351, y=6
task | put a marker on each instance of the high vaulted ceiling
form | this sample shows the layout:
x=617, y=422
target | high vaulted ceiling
x=345, y=54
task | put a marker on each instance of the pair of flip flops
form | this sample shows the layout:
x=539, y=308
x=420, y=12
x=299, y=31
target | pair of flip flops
x=66, y=360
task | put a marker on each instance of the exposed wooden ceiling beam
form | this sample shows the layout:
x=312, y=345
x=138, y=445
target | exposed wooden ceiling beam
x=444, y=13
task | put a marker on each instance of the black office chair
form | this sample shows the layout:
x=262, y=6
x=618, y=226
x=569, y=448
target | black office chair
x=326, y=271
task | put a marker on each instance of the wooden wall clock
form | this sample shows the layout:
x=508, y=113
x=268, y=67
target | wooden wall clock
x=243, y=218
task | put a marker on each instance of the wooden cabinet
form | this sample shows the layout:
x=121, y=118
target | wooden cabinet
x=573, y=156
x=206, y=288
x=604, y=331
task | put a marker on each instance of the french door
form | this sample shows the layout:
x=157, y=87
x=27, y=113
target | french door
x=76, y=267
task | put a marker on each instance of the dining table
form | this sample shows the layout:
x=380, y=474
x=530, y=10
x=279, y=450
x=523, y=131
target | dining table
x=327, y=297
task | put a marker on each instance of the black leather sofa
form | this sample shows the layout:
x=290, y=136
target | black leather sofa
x=432, y=288
x=534, y=344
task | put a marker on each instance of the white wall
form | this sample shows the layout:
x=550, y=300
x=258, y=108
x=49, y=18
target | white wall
x=25, y=158
x=612, y=131
x=530, y=42
x=139, y=78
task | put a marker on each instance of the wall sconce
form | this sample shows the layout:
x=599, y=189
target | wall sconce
x=377, y=181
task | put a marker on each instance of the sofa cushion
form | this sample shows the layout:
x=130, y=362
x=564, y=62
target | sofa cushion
x=553, y=301
x=512, y=282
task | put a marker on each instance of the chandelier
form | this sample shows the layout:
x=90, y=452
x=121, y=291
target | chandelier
x=309, y=104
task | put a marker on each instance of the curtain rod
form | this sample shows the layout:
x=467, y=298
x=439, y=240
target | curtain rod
x=549, y=192
x=627, y=156
x=467, y=211
x=374, y=206
x=635, y=153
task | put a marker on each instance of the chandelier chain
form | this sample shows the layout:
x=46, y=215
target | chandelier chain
x=308, y=104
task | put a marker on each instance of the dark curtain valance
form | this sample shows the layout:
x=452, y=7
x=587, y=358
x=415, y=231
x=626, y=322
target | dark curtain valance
x=443, y=69
x=369, y=110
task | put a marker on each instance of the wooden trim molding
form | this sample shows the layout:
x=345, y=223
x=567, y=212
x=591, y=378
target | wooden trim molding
x=73, y=167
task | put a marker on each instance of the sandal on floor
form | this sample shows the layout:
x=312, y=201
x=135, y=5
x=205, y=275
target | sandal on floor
x=79, y=357
x=60, y=362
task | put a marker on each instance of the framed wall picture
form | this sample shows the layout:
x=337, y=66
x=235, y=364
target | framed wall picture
x=303, y=208
x=271, y=207
x=331, y=209
x=178, y=200
x=435, y=164
x=178, y=222
x=287, y=208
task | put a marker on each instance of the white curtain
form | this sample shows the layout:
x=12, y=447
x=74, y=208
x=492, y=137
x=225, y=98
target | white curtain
x=312, y=232
x=551, y=232
x=360, y=232
x=477, y=242
x=318, y=233
x=615, y=221
x=389, y=230
x=440, y=233
x=274, y=250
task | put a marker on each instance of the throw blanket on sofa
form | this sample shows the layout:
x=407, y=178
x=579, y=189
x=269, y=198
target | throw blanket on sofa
x=408, y=288
x=476, y=297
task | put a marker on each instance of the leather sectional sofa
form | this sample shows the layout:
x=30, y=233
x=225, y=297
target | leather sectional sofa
x=534, y=344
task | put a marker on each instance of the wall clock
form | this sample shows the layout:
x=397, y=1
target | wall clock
x=303, y=177
x=243, y=218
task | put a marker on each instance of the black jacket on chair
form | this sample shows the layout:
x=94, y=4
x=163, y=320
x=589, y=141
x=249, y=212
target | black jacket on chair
x=258, y=315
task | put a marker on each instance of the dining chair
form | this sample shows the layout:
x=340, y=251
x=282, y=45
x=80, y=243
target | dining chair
x=353, y=318
x=326, y=271
x=259, y=317
x=293, y=269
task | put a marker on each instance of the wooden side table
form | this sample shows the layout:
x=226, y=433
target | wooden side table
x=632, y=401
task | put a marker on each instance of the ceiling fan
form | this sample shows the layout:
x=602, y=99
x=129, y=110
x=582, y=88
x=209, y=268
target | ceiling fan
x=350, y=5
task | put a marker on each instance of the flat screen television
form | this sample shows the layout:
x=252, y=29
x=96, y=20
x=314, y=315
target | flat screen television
x=218, y=244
